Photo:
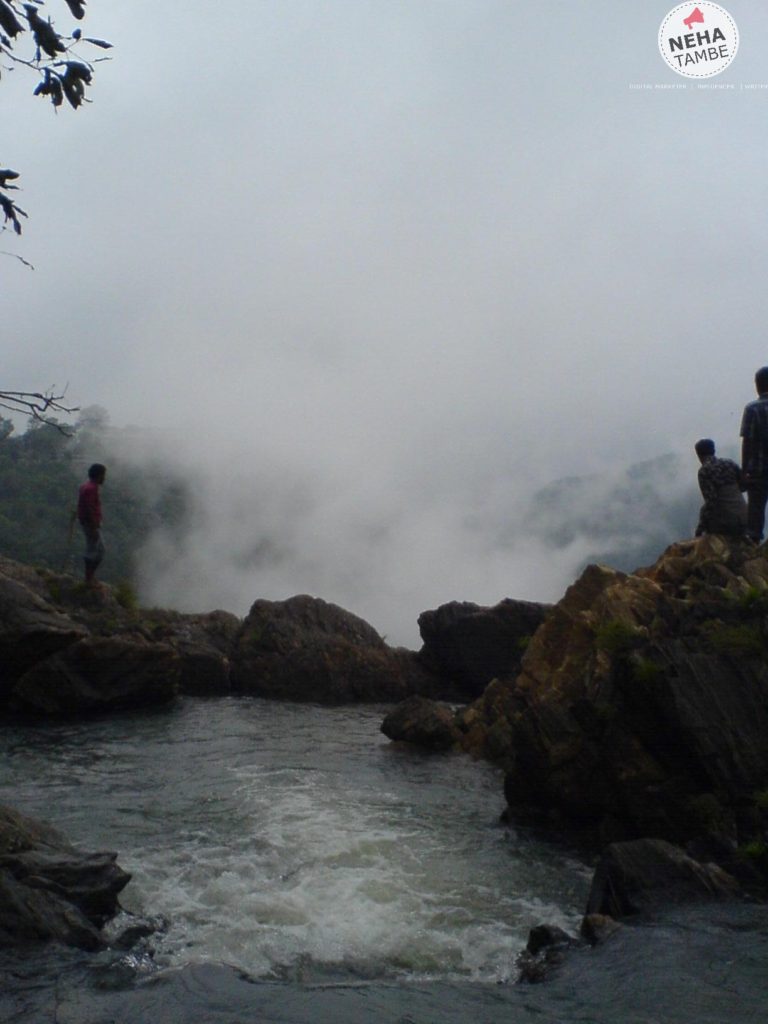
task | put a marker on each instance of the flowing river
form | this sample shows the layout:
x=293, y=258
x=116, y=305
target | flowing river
x=306, y=870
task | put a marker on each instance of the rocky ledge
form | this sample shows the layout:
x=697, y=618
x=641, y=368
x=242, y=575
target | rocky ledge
x=66, y=651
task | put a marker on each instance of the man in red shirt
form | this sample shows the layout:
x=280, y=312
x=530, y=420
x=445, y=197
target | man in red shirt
x=89, y=517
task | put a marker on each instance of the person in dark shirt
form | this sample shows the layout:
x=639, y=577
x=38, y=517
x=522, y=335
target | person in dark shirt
x=720, y=481
x=754, y=455
x=89, y=517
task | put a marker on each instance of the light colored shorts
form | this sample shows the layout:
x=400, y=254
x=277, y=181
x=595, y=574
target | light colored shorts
x=94, y=546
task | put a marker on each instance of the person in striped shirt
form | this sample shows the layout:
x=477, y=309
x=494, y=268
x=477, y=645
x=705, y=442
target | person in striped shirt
x=754, y=455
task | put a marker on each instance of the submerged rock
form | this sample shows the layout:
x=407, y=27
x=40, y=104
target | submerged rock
x=648, y=874
x=49, y=890
x=309, y=650
x=545, y=952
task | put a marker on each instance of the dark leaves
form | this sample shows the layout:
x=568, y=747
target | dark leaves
x=8, y=21
x=46, y=37
x=51, y=86
x=60, y=79
x=70, y=84
x=74, y=81
x=77, y=8
x=12, y=212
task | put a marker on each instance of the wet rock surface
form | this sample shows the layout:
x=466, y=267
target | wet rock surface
x=49, y=890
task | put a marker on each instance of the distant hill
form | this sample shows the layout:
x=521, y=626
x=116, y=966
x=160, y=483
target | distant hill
x=625, y=518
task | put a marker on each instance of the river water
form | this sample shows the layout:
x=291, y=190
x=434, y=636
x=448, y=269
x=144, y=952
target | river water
x=308, y=870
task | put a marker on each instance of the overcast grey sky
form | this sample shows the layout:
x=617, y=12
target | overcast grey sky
x=379, y=268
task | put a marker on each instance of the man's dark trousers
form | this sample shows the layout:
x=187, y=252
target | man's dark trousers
x=757, y=495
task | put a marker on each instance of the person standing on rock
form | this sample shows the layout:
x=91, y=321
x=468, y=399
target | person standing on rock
x=754, y=455
x=89, y=517
x=720, y=481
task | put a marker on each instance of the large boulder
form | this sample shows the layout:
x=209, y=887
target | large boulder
x=31, y=629
x=650, y=874
x=641, y=706
x=98, y=675
x=309, y=650
x=49, y=890
x=468, y=645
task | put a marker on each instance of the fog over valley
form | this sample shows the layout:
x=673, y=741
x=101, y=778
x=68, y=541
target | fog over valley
x=374, y=279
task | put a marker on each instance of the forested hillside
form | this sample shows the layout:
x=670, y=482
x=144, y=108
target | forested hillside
x=40, y=472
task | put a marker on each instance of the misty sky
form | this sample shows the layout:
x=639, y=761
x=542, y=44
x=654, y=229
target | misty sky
x=378, y=269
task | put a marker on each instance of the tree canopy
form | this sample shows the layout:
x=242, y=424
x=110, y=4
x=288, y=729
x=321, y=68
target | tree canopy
x=30, y=41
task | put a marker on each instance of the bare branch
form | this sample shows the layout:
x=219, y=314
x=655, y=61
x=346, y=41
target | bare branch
x=15, y=256
x=39, y=405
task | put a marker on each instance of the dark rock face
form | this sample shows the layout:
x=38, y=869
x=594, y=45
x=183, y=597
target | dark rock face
x=30, y=629
x=716, y=704
x=51, y=890
x=96, y=675
x=422, y=722
x=647, y=874
x=470, y=645
x=641, y=706
x=307, y=649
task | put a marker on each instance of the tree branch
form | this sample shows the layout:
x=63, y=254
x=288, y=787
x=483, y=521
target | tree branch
x=39, y=406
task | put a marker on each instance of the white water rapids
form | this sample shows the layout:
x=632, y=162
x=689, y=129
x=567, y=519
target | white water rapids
x=296, y=842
